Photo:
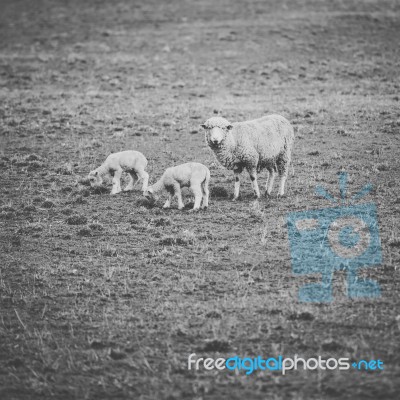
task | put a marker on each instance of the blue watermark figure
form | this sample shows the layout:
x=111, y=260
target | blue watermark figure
x=345, y=237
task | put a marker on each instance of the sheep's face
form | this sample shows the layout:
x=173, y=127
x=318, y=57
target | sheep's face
x=216, y=136
x=216, y=130
x=94, y=178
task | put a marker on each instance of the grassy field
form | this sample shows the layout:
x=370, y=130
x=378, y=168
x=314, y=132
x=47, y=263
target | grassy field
x=106, y=296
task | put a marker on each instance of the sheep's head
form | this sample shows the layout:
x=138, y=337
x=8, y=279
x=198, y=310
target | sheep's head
x=216, y=130
x=94, y=178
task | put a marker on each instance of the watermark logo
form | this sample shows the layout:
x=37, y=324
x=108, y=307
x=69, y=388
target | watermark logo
x=344, y=237
x=280, y=363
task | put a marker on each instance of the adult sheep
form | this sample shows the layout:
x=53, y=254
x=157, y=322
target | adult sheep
x=264, y=143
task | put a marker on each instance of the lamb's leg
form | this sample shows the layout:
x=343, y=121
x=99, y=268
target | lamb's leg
x=132, y=181
x=168, y=202
x=178, y=194
x=198, y=194
x=254, y=184
x=116, y=181
x=266, y=182
x=145, y=176
x=270, y=182
x=206, y=193
x=237, y=173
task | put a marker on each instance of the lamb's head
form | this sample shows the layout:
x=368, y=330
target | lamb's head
x=95, y=178
x=149, y=194
x=216, y=130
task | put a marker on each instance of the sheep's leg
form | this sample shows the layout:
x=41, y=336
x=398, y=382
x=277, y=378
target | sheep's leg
x=145, y=176
x=282, y=184
x=178, y=194
x=237, y=173
x=116, y=181
x=198, y=194
x=254, y=184
x=132, y=181
x=270, y=182
x=283, y=170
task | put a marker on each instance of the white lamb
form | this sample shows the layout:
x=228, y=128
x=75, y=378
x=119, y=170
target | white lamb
x=193, y=175
x=129, y=161
x=264, y=143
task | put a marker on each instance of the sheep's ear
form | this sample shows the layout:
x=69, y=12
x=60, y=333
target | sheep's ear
x=96, y=173
x=229, y=127
x=204, y=126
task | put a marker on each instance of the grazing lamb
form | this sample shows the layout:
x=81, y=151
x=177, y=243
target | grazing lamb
x=193, y=175
x=129, y=161
x=264, y=143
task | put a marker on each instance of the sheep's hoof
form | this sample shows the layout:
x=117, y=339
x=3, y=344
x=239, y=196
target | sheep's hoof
x=128, y=189
x=266, y=194
x=204, y=208
x=193, y=210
